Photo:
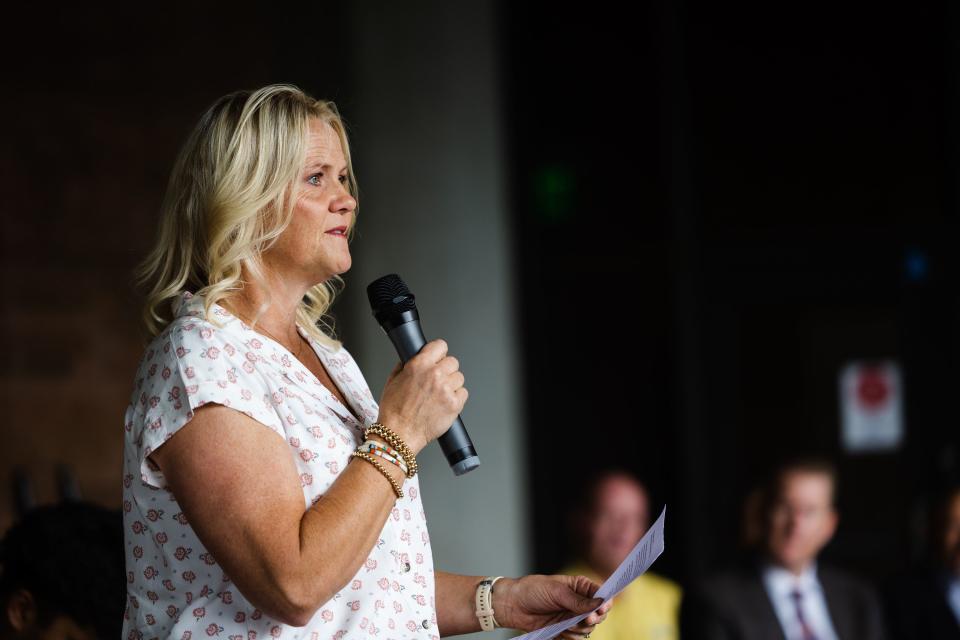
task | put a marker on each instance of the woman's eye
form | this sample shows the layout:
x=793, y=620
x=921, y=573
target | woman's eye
x=315, y=179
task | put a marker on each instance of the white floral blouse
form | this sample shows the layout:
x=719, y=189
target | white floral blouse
x=175, y=587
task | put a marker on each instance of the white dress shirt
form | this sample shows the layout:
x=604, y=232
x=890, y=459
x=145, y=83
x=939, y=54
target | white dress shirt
x=780, y=584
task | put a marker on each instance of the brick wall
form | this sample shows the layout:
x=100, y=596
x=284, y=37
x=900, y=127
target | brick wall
x=96, y=108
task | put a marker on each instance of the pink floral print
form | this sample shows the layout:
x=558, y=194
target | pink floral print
x=175, y=587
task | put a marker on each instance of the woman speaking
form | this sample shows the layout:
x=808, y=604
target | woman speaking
x=265, y=491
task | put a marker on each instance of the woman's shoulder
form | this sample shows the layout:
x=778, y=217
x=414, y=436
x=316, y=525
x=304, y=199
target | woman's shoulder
x=187, y=341
x=195, y=349
x=200, y=331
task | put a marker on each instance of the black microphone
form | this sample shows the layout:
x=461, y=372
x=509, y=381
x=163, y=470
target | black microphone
x=394, y=308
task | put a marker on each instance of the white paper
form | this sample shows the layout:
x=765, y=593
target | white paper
x=636, y=564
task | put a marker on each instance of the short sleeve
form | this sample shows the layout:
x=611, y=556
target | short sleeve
x=191, y=364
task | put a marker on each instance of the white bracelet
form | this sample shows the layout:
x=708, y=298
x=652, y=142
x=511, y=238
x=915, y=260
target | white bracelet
x=373, y=447
x=484, y=599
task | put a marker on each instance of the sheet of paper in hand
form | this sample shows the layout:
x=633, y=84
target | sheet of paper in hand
x=636, y=564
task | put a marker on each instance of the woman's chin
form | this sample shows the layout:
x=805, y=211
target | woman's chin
x=337, y=271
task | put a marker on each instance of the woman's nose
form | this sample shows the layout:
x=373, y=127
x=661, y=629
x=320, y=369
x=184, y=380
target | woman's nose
x=345, y=202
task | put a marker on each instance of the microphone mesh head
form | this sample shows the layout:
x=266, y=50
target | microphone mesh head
x=390, y=292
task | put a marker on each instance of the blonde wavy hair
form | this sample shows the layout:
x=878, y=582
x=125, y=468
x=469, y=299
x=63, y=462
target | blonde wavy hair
x=231, y=194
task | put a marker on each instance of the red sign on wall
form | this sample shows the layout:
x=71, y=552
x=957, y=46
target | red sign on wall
x=871, y=406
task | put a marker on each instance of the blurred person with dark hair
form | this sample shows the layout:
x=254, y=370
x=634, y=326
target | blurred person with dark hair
x=62, y=574
x=926, y=603
x=610, y=517
x=783, y=592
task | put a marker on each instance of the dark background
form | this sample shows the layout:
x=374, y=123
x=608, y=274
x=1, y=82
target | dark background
x=751, y=195
x=714, y=206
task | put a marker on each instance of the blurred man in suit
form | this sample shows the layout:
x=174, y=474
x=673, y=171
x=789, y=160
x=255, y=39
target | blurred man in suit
x=783, y=592
x=926, y=604
x=611, y=516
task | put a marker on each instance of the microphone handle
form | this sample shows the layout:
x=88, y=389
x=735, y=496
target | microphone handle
x=408, y=340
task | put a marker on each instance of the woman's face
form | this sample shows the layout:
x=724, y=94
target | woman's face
x=313, y=247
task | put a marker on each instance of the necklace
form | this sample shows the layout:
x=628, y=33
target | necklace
x=275, y=339
x=261, y=328
x=333, y=391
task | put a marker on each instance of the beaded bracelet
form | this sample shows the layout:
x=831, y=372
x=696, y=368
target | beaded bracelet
x=383, y=447
x=366, y=456
x=394, y=441
x=389, y=454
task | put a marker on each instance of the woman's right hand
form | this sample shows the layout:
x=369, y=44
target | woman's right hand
x=423, y=397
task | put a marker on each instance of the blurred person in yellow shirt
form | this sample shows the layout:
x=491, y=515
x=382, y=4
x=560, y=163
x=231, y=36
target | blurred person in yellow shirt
x=606, y=525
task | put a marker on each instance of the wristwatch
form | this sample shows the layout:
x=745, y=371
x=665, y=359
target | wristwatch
x=484, y=600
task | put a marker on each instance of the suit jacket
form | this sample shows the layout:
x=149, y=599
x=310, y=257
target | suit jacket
x=918, y=609
x=734, y=606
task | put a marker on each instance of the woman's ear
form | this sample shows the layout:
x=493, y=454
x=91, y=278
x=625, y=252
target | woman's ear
x=21, y=610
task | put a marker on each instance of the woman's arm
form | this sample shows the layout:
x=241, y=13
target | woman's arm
x=456, y=605
x=240, y=491
x=526, y=603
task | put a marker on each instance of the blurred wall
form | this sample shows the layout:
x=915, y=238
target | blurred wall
x=427, y=135
x=99, y=102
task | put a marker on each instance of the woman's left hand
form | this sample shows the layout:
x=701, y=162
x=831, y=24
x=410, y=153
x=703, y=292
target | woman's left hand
x=536, y=601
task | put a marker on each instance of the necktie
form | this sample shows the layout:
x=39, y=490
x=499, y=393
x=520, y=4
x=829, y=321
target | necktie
x=806, y=633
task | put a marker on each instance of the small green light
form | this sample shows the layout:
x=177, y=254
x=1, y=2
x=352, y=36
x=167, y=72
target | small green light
x=554, y=188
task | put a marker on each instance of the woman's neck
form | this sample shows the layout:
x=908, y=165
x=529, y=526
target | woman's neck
x=279, y=319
